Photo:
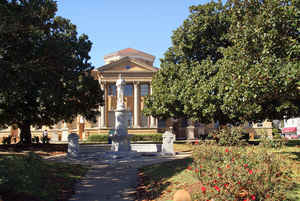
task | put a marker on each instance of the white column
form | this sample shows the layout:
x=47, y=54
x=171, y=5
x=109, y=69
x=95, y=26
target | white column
x=136, y=103
x=153, y=121
x=102, y=109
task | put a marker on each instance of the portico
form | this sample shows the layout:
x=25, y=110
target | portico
x=137, y=70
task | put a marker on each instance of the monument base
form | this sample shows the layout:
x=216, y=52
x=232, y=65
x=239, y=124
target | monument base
x=120, y=143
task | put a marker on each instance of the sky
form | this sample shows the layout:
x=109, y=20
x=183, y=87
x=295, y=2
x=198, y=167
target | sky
x=113, y=25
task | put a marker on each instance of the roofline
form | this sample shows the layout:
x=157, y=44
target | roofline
x=129, y=59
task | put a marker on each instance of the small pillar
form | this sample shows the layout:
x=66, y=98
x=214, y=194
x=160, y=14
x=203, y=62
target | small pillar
x=190, y=131
x=65, y=133
x=168, y=143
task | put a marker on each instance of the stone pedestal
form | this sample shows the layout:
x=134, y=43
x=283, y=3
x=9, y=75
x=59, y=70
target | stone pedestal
x=190, y=132
x=73, y=146
x=120, y=139
x=168, y=143
x=54, y=137
x=64, y=135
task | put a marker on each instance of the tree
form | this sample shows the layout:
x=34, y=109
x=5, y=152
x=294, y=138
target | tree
x=44, y=69
x=258, y=75
x=232, y=62
x=179, y=88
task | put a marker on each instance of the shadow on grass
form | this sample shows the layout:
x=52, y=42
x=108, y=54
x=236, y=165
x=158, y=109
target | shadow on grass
x=292, y=143
x=152, y=187
x=294, y=155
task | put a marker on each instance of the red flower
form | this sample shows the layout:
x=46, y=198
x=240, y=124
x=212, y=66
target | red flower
x=228, y=166
x=239, y=182
x=217, y=188
x=246, y=165
x=253, y=197
x=219, y=169
x=203, y=189
x=250, y=171
x=232, y=159
x=196, y=170
x=189, y=168
x=226, y=150
x=226, y=185
x=196, y=142
x=200, y=166
x=219, y=175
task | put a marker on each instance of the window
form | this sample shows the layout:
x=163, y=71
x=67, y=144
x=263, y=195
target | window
x=128, y=90
x=162, y=123
x=144, y=120
x=144, y=89
x=112, y=90
x=111, y=119
x=129, y=119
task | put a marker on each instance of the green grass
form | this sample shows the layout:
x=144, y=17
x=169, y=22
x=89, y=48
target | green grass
x=28, y=177
x=159, y=182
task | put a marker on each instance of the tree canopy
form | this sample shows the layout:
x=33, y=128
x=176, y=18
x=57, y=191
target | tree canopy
x=44, y=67
x=232, y=62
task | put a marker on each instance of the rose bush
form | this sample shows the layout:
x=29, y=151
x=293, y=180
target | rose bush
x=240, y=174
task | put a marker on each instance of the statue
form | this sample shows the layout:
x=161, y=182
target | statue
x=120, y=91
x=120, y=140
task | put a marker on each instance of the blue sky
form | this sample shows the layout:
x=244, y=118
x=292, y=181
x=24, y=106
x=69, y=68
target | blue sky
x=113, y=25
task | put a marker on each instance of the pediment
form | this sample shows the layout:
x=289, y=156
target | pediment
x=127, y=65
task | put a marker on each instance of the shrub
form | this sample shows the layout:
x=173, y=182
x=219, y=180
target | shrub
x=146, y=137
x=98, y=138
x=45, y=140
x=267, y=142
x=7, y=140
x=230, y=137
x=36, y=139
x=133, y=138
x=235, y=174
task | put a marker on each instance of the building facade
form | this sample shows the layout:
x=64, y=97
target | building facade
x=136, y=68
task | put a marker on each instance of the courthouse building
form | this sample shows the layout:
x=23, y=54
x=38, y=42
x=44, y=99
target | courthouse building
x=136, y=68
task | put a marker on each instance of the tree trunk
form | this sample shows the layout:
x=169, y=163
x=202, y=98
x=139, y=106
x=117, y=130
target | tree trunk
x=25, y=135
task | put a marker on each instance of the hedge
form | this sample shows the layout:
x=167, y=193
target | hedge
x=133, y=138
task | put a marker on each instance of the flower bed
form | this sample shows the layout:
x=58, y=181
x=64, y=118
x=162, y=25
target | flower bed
x=239, y=175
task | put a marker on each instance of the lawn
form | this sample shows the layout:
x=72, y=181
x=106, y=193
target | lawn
x=159, y=182
x=30, y=178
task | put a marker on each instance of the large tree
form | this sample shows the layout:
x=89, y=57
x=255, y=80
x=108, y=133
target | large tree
x=45, y=72
x=232, y=62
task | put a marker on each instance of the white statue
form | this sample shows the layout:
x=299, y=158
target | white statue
x=120, y=90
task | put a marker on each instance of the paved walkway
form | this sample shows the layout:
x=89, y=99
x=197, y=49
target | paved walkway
x=109, y=179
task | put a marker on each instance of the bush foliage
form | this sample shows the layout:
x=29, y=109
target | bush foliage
x=134, y=138
x=230, y=136
x=235, y=174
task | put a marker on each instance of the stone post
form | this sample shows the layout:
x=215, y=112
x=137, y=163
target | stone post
x=190, y=131
x=73, y=146
x=65, y=132
x=54, y=137
x=168, y=143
